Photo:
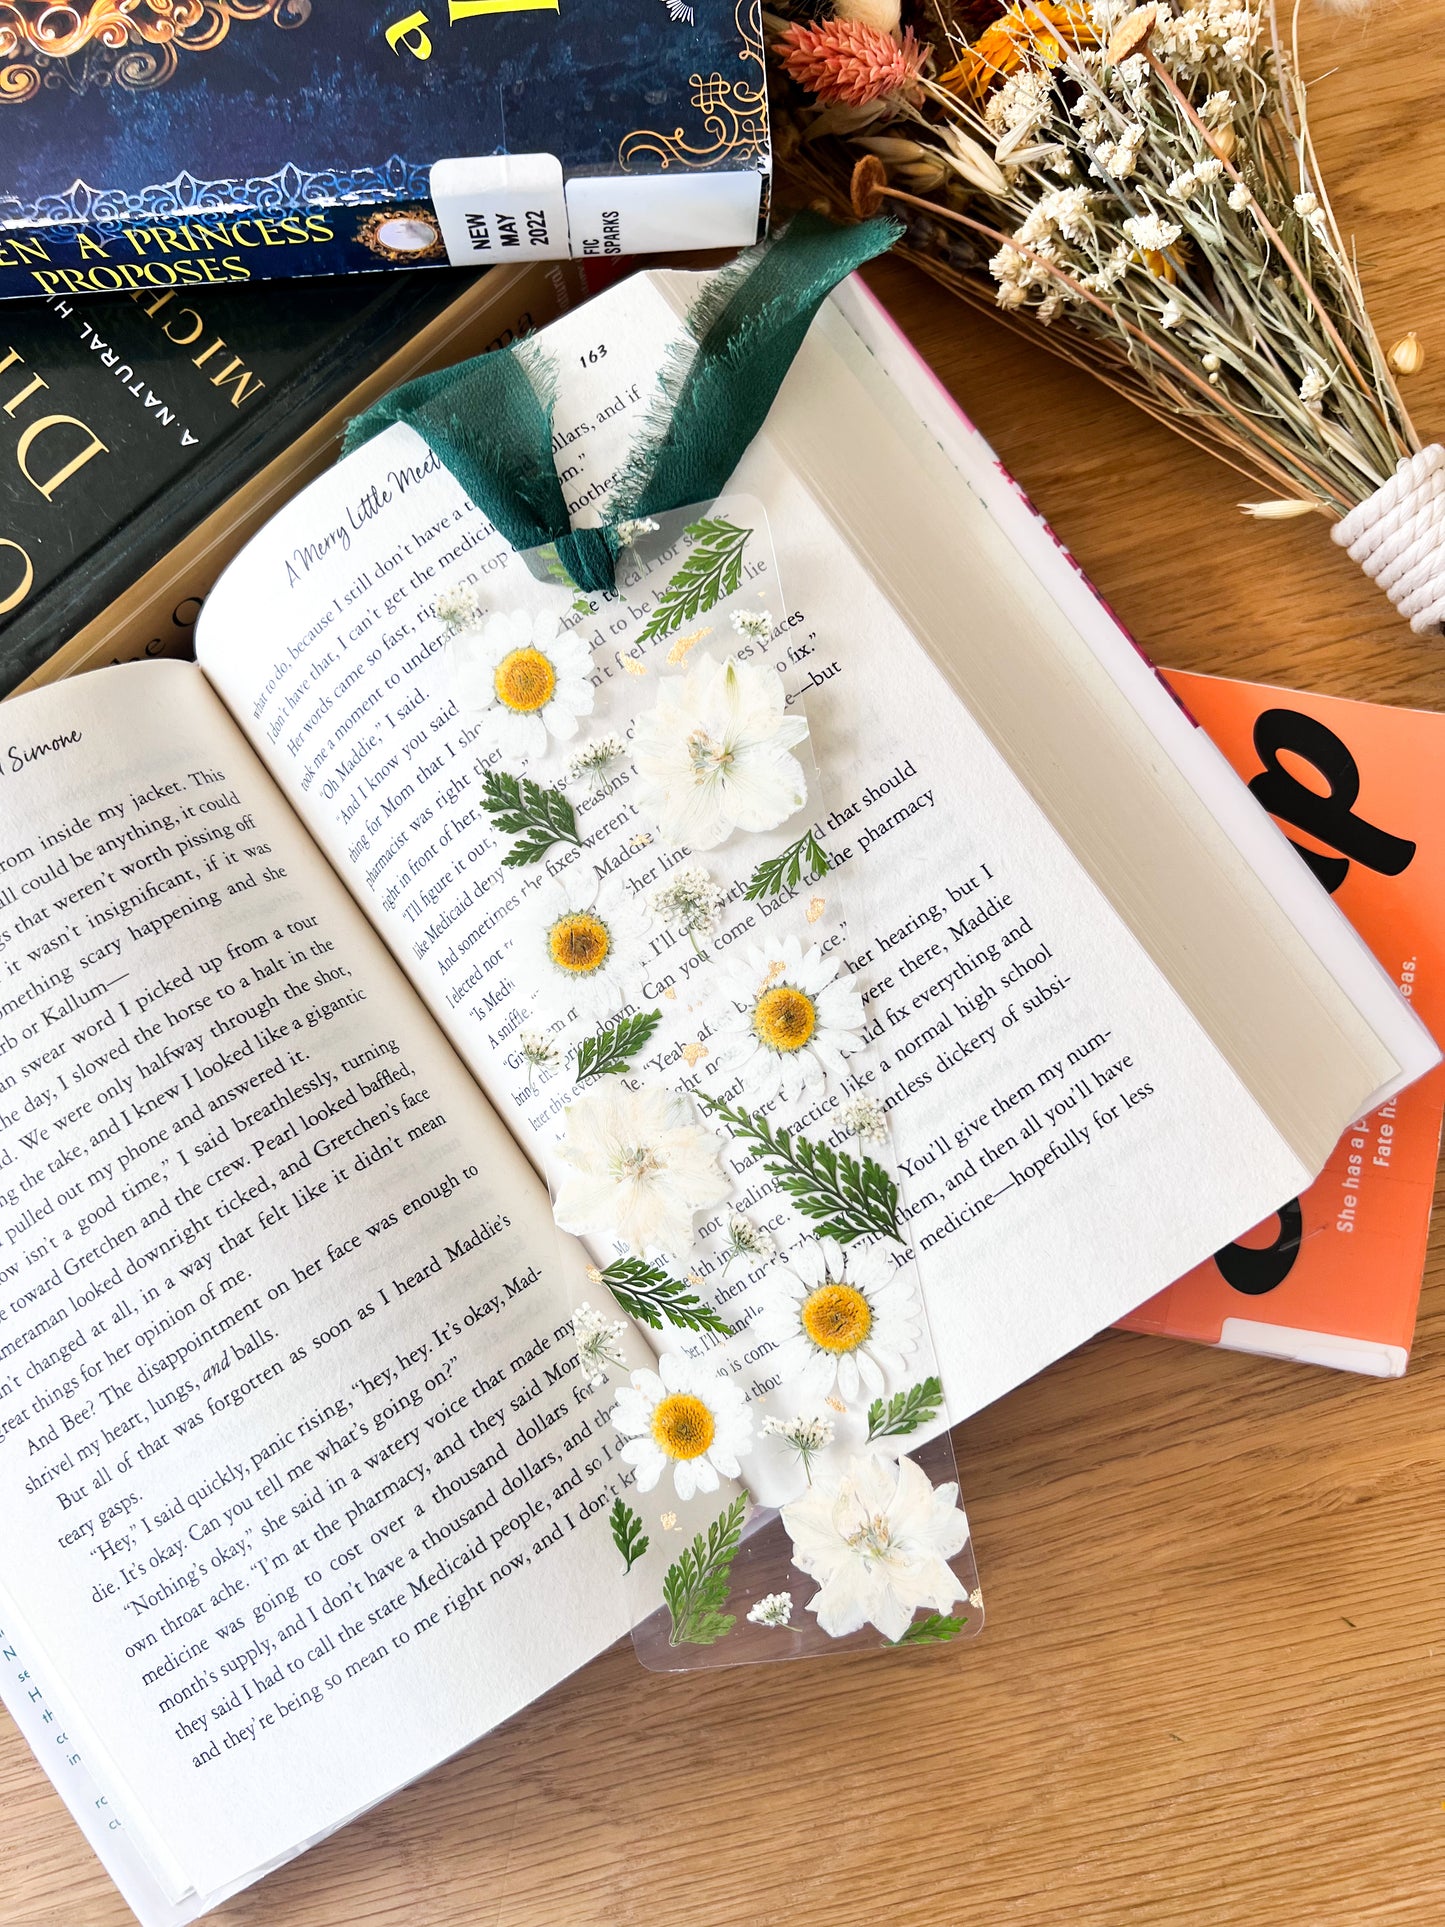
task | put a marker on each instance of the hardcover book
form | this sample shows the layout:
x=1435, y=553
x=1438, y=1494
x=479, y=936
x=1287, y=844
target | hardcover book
x=147, y=147
x=1332, y=1277
x=144, y=436
x=326, y=1396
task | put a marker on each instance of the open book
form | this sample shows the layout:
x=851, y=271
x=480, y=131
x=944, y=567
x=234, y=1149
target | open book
x=299, y=1486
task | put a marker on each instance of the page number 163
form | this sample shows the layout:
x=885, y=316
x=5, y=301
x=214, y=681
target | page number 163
x=593, y=355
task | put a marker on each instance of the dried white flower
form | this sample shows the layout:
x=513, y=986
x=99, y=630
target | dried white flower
x=596, y=761
x=1183, y=185
x=773, y=1609
x=1239, y=197
x=458, y=607
x=746, y=1240
x=1308, y=208
x=806, y=1436
x=689, y=902
x=1313, y=384
x=1211, y=362
x=629, y=531
x=538, y=1050
x=1207, y=171
x=1152, y=235
x=599, y=1343
x=753, y=625
x=1217, y=110
x=1171, y=314
x=866, y=1119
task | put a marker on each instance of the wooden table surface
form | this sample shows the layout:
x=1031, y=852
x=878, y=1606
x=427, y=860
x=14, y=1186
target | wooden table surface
x=1212, y=1685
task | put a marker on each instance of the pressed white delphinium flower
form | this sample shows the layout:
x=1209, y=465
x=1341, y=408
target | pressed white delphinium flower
x=795, y=1019
x=714, y=754
x=865, y=1119
x=878, y=1536
x=838, y=1321
x=637, y=526
x=746, y=1240
x=639, y=1167
x=773, y=1609
x=522, y=680
x=599, y=1343
x=753, y=625
x=685, y=1418
x=579, y=944
x=595, y=761
x=689, y=903
x=806, y=1436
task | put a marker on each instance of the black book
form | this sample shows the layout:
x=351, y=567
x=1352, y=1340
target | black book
x=125, y=421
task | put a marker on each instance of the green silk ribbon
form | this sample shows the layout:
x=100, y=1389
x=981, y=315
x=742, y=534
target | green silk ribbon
x=489, y=420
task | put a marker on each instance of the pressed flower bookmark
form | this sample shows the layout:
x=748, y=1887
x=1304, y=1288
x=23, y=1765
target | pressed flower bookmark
x=785, y=1485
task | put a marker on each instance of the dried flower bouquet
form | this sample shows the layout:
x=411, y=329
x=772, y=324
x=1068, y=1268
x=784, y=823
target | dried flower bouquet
x=1138, y=189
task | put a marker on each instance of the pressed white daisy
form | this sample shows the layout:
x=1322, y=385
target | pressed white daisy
x=579, y=943
x=522, y=679
x=685, y=1417
x=689, y=902
x=595, y=761
x=773, y=1609
x=837, y=1319
x=639, y=1168
x=795, y=1018
x=714, y=754
x=866, y=1119
x=599, y=1343
x=878, y=1536
x=805, y=1435
x=753, y=625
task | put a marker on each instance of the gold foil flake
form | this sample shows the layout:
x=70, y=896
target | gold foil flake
x=694, y=1053
x=632, y=667
x=671, y=993
x=815, y=909
x=668, y=1522
x=639, y=840
x=775, y=970
x=835, y=1404
x=678, y=651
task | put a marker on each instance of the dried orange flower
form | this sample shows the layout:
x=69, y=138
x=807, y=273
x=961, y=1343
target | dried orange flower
x=850, y=62
x=1020, y=33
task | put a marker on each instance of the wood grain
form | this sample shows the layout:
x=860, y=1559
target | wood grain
x=1210, y=1692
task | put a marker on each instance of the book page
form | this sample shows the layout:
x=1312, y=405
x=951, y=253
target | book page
x=295, y=1480
x=1066, y=1132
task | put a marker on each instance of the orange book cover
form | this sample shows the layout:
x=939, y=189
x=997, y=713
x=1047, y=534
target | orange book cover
x=1334, y=1277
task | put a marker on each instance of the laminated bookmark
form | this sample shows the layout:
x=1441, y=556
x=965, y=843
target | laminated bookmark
x=785, y=1481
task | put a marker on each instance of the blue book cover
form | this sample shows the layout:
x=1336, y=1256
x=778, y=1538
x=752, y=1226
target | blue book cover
x=157, y=144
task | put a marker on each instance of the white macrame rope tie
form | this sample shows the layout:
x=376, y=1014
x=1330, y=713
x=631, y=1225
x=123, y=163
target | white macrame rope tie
x=1397, y=535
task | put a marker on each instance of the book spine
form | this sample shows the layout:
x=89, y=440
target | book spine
x=217, y=249
x=474, y=223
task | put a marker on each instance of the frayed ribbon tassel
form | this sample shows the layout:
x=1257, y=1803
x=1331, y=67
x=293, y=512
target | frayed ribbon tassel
x=1397, y=535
